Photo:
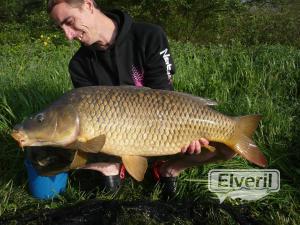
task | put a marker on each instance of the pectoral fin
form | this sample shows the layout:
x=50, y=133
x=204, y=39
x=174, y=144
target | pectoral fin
x=93, y=145
x=136, y=166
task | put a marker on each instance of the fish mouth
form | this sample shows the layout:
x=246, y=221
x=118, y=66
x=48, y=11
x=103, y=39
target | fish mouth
x=23, y=140
x=20, y=137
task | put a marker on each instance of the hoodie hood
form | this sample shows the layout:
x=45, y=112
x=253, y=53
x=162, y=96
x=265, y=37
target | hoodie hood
x=123, y=21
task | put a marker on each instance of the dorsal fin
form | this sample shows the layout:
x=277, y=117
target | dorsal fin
x=204, y=101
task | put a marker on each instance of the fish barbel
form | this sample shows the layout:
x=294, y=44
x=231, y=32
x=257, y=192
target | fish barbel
x=134, y=123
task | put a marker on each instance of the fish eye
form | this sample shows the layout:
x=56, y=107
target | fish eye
x=40, y=118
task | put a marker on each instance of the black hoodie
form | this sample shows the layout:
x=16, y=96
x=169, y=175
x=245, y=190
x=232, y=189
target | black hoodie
x=140, y=56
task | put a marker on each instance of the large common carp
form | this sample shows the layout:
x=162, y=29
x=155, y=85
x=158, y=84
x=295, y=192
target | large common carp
x=134, y=123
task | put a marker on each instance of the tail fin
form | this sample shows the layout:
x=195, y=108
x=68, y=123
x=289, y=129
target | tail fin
x=242, y=143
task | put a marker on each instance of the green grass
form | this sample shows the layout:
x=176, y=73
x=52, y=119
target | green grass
x=260, y=79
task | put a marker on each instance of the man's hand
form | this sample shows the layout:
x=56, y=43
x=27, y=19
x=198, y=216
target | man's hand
x=195, y=146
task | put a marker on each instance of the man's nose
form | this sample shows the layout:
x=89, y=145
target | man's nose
x=69, y=32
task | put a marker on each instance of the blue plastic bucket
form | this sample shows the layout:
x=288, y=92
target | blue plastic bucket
x=45, y=187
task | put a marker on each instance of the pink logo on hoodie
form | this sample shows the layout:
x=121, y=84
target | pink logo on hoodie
x=137, y=76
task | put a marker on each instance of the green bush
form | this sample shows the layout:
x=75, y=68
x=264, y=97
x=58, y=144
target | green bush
x=220, y=21
x=199, y=21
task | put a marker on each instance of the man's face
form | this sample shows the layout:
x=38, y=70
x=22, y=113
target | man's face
x=76, y=22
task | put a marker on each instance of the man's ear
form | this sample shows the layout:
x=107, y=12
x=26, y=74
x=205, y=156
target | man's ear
x=89, y=5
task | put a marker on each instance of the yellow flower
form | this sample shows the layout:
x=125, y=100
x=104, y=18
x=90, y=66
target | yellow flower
x=42, y=36
x=45, y=43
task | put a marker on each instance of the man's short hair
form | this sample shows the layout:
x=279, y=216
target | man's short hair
x=75, y=3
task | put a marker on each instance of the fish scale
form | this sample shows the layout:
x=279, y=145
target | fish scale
x=148, y=122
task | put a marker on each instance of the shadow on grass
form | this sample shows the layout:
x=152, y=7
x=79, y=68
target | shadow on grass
x=134, y=212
